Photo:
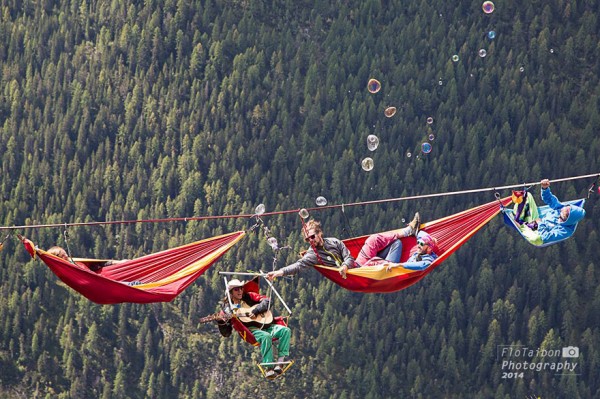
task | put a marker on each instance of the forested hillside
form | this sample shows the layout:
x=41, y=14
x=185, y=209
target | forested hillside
x=118, y=110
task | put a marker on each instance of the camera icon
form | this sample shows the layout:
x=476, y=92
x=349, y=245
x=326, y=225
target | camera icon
x=570, y=351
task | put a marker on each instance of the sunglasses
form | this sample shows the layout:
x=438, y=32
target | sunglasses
x=422, y=243
x=310, y=238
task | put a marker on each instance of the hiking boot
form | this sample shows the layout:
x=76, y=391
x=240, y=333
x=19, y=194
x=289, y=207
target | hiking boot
x=271, y=374
x=415, y=225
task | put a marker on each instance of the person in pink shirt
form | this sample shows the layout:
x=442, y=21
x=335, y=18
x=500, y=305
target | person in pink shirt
x=387, y=246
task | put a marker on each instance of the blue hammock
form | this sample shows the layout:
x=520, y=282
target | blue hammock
x=533, y=236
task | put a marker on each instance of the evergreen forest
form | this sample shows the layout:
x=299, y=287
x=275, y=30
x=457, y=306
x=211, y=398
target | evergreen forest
x=151, y=109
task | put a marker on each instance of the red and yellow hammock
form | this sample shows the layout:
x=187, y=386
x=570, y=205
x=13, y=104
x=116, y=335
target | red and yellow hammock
x=157, y=277
x=451, y=232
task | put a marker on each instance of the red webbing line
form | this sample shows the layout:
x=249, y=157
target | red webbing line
x=186, y=219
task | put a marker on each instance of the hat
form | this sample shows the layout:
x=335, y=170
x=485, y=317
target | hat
x=517, y=196
x=234, y=283
x=429, y=240
x=576, y=213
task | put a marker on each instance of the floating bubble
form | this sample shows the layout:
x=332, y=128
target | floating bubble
x=522, y=69
x=303, y=213
x=408, y=155
x=488, y=7
x=321, y=201
x=426, y=148
x=431, y=137
x=551, y=51
x=260, y=209
x=429, y=120
x=403, y=220
x=373, y=86
x=390, y=111
x=272, y=241
x=367, y=164
x=482, y=53
x=491, y=35
x=440, y=82
x=372, y=142
x=455, y=58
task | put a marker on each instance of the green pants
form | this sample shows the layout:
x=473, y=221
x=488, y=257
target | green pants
x=265, y=339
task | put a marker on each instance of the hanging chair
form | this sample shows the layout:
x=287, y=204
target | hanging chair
x=451, y=232
x=532, y=236
x=157, y=277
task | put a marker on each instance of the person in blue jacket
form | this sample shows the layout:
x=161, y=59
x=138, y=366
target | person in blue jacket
x=422, y=257
x=560, y=221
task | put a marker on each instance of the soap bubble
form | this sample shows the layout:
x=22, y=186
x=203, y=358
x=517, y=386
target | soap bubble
x=431, y=137
x=551, y=51
x=272, y=241
x=522, y=69
x=491, y=35
x=482, y=53
x=303, y=213
x=260, y=209
x=403, y=220
x=426, y=148
x=440, y=82
x=429, y=120
x=372, y=142
x=455, y=58
x=367, y=164
x=390, y=111
x=321, y=201
x=488, y=7
x=373, y=86
x=408, y=155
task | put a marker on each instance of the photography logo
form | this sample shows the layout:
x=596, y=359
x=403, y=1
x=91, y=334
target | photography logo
x=517, y=360
x=570, y=351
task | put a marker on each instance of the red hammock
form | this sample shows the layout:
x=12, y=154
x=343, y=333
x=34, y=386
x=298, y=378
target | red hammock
x=451, y=232
x=157, y=277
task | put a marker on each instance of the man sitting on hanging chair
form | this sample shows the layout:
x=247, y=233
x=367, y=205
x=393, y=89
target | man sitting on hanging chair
x=422, y=257
x=251, y=312
x=559, y=221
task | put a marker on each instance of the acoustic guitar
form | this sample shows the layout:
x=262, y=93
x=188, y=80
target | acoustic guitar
x=243, y=314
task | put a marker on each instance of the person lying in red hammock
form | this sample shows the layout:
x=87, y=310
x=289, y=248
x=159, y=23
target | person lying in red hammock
x=61, y=253
x=387, y=246
x=423, y=256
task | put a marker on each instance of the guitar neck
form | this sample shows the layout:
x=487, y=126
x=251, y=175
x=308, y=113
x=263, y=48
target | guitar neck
x=212, y=317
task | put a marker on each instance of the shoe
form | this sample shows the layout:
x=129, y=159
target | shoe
x=278, y=370
x=271, y=374
x=415, y=225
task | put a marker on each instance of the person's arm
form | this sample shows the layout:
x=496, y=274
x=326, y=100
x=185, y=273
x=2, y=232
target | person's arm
x=348, y=262
x=308, y=260
x=263, y=303
x=414, y=264
x=345, y=252
x=550, y=199
x=224, y=323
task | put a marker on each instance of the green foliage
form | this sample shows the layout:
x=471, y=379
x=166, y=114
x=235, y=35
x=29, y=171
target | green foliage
x=114, y=110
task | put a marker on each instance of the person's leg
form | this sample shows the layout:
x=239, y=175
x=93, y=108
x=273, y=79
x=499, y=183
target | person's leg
x=266, y=344
x=413, y=227
x=533, y=212
x=283, y=335
x=392, y=252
